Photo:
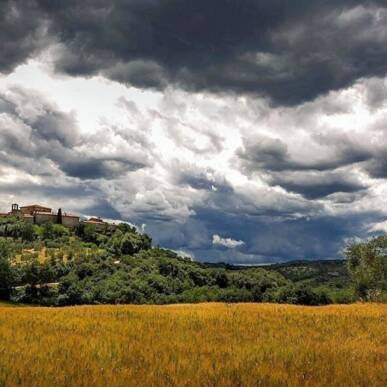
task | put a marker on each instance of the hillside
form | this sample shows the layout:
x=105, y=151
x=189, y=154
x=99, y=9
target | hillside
x=53, y=265
x=328, y=272
x=330, y=275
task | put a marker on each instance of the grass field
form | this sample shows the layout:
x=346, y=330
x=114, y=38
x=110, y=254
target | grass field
x=194, y=345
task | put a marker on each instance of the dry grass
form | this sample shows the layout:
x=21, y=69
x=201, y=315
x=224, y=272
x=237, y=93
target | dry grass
x=194, y=345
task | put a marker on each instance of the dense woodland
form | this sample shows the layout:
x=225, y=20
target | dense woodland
x=53, y=265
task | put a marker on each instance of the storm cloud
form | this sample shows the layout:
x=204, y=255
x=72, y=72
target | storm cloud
x=314, y=185
x=284, y=50
x=273, y=155
x=23, y=31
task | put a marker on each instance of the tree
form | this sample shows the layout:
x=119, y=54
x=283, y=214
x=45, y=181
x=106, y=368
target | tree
x=89, y=233
x=27, y=231
x=221, y=278
x=146, y=241
x=130, y=244
x=5, y=268
x=367, y=267
x=58, y=231
x=59, y=216
x=47, y=231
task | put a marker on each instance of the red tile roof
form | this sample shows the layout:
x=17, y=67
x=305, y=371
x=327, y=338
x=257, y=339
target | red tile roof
x=96, y=220
x=37, y=206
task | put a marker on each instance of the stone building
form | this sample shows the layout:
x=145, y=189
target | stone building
x=34, y=209
x=45, y=217
x=38, y=214
x=69, y=220
x=98, y=223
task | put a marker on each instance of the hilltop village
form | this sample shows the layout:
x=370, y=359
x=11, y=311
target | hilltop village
x=37, y=214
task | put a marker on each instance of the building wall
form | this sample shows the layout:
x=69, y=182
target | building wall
x=67, y=221
x=45, y=218
x=70, y=221
x=40, y=215
x=17, y=214
x=29, y=219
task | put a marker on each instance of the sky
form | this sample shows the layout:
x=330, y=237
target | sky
x=239, y=131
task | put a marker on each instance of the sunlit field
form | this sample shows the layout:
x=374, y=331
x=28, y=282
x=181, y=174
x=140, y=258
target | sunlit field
x=194, y=345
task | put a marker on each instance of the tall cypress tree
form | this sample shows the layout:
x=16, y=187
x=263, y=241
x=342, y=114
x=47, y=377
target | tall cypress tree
x=59, y=217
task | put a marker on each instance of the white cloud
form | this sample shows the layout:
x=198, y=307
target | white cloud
x=185, y=254
x=381, y=226
x=226, y=242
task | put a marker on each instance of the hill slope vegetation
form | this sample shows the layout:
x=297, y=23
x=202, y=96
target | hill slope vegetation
x=53, y=265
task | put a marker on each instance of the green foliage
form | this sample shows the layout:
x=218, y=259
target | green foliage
x=48, y=231
x=367, y=266
x=88, y=233
x=5, y=268
x=59, y=231
x=300, y=294
x=15, y=228
x=149, y=276
x=116, y=264
x=330, y=277
x=27, y=231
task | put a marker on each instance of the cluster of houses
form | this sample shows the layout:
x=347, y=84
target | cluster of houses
x=38, y=214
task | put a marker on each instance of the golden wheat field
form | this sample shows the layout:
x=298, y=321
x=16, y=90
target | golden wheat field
x=194, y=345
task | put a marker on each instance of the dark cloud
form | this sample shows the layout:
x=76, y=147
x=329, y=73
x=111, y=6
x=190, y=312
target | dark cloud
x=376, y=93
x=268, y=154
x=314, y=185
x=285, y=50
x=377, y=167
x=23, y=32
x=48, y=191
x=201, y=179
x=330, y=172
x=266, y=240
x=94, y=168
x=103, y=209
